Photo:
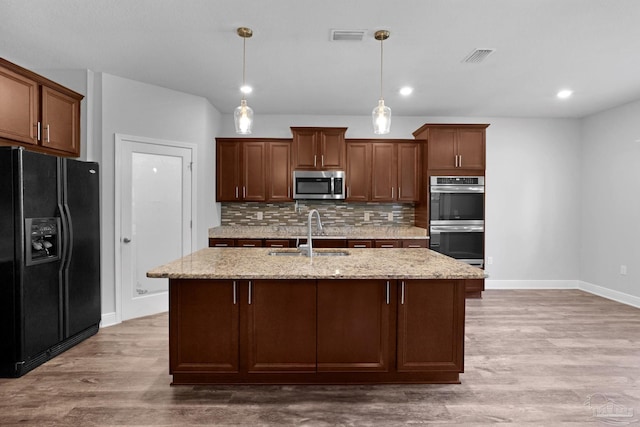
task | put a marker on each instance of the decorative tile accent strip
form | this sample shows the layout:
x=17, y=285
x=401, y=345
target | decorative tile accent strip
x=333, y=213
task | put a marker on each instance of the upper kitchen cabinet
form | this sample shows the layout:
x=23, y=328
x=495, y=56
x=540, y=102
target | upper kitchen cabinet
x=358, y=176
x=38, y=113
x=318, y=148
x=253, y=170
x=240, y=170
x=395, y=171
x=279, y=171
x=454, y=147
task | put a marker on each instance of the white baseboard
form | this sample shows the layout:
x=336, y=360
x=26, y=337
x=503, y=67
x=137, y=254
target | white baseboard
x=108, y=319
x=530, y=284
x=627, y=299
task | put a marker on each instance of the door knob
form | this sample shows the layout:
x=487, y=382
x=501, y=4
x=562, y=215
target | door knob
x=126, y=240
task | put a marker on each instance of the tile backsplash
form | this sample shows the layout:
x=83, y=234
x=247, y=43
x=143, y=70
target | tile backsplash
x=333, y=213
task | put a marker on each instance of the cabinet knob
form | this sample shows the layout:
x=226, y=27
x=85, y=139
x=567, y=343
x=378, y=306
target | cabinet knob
x=126, y=240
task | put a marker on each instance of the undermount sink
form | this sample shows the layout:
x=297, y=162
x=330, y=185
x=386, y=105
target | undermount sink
x=315, y=253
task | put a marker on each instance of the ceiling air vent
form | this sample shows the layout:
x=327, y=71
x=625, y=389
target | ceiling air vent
x=347, y=35
x=478, y=55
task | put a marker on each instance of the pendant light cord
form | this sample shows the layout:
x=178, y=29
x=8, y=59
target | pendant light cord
x=244, y=54
x=381, y=56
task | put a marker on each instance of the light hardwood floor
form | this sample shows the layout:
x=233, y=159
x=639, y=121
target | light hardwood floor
x=531, y=358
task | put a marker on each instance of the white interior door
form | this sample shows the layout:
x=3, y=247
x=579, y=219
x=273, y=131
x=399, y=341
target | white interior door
x=156, y=220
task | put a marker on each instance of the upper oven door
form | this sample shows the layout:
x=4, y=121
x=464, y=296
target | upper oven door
x=449, y=205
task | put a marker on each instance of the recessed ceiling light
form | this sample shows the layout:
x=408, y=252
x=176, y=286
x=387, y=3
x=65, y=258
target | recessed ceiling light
x=406, y=91
x=564, y=94
x=246, y=89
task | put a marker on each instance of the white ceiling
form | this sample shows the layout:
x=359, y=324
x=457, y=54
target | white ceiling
x=590, y=46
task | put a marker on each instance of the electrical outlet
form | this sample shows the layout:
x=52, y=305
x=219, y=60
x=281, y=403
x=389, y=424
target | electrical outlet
x=259, y=216
x=390, y=216
x=489, y=260
x=623, y=270
x=367, y=216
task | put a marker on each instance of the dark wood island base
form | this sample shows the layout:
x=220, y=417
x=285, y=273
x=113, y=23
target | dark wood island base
x=316, y=331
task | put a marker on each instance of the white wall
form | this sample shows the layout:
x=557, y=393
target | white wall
x=134, y=108
x=610, y=227
x=533, y=189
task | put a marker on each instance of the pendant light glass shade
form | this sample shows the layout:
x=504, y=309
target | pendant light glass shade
x=243, y=114
x=243, y=118
x=381, y=118
x=381, y=113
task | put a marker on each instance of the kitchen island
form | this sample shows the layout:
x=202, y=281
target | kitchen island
x=245, y=316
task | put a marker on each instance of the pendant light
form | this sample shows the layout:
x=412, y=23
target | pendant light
x=381, y=113
x=243, y=114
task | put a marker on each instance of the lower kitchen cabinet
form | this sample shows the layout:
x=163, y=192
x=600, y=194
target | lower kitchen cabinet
x=354, y=320
x=316, y=331
x=431, y=325
x=474, y=288
x=281, y=325
x=203, y=326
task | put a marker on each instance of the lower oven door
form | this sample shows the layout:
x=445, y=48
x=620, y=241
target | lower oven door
x=462, y=242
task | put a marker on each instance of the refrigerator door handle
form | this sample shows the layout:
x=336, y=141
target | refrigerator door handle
x=69, y=236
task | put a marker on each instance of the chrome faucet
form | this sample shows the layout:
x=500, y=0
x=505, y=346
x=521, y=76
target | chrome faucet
x=308, y=248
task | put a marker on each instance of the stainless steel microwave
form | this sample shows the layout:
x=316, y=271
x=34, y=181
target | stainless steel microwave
x=318, y=185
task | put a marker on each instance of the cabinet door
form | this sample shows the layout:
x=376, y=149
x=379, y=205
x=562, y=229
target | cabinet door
x=471, y=148
x=358, y=171
x=442, y=148
x=18, y=107
x=353, y=325
x=254, y=171
x=60, y=121
x=408, y=172
x=383, y=172
x=305, y=149
x=332, y=149
x=431, y=325
x=281, y=322
x=227, y=171
x=279, y=165
x=203, y=326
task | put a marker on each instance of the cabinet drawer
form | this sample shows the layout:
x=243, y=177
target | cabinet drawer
x=359, y=243
x=414, y=243
x=221, y=243
x=388, y=244
x=249, y=243
x=278, y=243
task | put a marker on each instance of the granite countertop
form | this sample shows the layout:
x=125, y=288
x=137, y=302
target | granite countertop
x=330, y=232
x=256, y=263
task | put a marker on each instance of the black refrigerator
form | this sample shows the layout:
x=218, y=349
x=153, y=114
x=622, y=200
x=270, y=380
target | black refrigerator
x=49, y=257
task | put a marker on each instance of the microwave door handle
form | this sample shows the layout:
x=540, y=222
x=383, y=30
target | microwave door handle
x=333, y=184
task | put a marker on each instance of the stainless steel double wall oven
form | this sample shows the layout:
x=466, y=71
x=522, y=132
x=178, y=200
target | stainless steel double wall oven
x=456, y=223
